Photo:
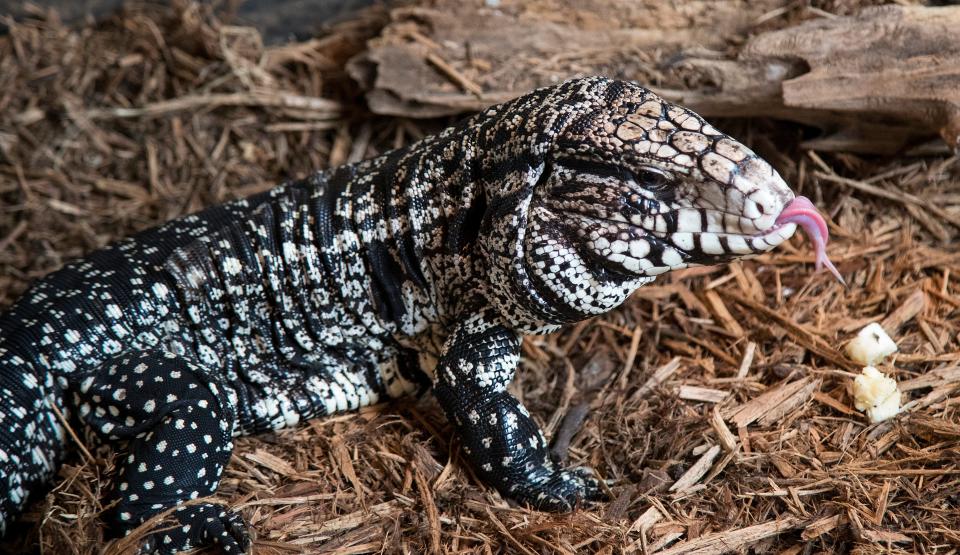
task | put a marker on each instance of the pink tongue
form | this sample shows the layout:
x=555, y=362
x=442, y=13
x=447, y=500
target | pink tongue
x=802, y=212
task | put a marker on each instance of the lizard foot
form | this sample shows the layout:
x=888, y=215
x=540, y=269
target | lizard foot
x=206, y=524
x=558, y=490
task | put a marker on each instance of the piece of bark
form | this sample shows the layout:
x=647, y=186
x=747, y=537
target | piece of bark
x=510, y=50
x=702, y=394
x=907, y=311
x=726, y=437
x=571, y=424
x=697, y=471
x=876, y=82
x=898, y=62
x=772, y=404
x=731, y=541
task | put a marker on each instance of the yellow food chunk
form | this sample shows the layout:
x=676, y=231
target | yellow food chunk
x=876, y=394
x=871, y=345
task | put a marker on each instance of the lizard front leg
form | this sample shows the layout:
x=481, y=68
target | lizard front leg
x=501, y=441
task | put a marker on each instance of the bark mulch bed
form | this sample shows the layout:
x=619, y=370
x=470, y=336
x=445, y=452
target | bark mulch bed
x=716, y=400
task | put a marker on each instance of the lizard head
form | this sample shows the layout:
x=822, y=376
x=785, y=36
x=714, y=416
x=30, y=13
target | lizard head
x=624, y=186
x=646, y=186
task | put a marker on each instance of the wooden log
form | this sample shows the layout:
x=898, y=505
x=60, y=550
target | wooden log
x=877, y=82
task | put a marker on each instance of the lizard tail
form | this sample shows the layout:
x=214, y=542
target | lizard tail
x=31, y=434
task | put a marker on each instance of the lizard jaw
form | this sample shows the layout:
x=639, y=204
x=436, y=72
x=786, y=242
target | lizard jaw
x=636, y=250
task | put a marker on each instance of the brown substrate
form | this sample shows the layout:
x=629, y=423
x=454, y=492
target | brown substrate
x=716, y=400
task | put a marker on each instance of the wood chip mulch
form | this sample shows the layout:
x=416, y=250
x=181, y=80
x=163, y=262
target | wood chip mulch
x=716, y=401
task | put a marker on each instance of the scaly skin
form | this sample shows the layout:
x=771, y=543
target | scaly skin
x=424, y=266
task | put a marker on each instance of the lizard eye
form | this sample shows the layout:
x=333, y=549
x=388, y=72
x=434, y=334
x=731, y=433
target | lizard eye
x=653, y=180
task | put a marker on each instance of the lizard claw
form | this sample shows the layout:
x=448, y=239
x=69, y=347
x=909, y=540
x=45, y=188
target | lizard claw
x=197, y=526
x=148, y=546
x=560, y=490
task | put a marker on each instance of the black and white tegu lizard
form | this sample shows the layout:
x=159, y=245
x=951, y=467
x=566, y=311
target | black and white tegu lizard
x=422, y=267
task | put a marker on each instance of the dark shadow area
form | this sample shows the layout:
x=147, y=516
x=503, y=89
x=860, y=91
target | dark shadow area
x=277, y=20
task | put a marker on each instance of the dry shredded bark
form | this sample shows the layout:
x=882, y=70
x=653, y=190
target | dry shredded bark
x=718, y=402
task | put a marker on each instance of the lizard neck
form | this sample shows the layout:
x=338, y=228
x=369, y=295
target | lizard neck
x=403, y=226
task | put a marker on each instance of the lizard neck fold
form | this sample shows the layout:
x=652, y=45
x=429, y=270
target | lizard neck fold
x=403, y=226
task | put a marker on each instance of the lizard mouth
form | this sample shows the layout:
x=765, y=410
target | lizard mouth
x=625, y=247
x=688, y=236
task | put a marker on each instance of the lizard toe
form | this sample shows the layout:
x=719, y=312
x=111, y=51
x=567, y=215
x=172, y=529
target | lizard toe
x=560, y=490
x=148, y=546
x=203, y=525
x=234, y=538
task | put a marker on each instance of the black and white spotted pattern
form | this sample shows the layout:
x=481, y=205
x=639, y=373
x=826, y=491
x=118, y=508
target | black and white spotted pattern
x=423, y=266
